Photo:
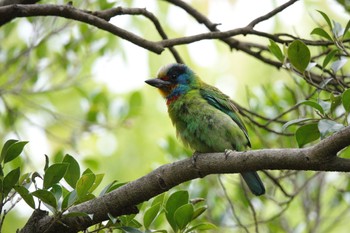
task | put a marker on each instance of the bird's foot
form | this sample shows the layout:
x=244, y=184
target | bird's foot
x=227, y=153
x=194, y=158
x=194, y=163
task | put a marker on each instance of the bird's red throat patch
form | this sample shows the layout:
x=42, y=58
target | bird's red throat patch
x=172, y=99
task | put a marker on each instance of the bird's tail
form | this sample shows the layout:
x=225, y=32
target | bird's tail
x=254, y=182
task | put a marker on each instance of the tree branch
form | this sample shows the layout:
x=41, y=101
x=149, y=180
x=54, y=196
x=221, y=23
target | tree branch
x=99, y=20
x=11, y=2
x=8, y=13
x=271, y=13
x=320, y=157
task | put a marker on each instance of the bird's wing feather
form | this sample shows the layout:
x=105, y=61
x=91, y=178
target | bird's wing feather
x=222, y=102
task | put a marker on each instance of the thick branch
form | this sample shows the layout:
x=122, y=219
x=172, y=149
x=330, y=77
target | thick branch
x=320, y=157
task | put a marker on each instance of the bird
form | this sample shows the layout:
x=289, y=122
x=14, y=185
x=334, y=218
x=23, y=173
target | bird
x=206, y=120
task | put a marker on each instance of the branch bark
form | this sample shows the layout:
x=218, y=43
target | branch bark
x=100, y=19
x=320, y=157
x=8, y=13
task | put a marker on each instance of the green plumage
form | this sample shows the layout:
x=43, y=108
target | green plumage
x=205, y=119
x=203, y=126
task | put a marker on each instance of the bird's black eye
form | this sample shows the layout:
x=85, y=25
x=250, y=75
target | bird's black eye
x=176, y=71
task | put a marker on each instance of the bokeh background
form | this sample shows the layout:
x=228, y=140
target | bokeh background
x=71, y=88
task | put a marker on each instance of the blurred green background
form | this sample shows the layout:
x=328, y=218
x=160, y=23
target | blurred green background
x=71, y=88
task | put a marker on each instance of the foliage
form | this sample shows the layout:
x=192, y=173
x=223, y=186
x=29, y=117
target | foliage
x=11, y=178
x=329, y=108
x=51, y=97
x=180, y=211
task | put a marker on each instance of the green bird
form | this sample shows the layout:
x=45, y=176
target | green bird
x=205, y=119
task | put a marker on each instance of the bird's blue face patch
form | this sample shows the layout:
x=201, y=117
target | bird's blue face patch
x=180, y=78
x=183, y=79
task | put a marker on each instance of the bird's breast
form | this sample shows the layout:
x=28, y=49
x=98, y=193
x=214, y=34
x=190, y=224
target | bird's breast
x=203, y=127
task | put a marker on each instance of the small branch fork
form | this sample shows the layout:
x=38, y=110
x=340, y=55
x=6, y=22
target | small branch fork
x=320, y=157
x=100, y=20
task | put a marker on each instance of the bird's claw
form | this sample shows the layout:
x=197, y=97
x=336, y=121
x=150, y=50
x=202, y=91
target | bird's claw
x=227, y=152
x=194, y=159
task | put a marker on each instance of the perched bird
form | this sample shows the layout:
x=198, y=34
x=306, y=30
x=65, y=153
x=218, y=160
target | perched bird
x=205, y=119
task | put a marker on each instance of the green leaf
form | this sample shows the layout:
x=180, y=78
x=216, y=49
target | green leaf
x=306, y=134
x=54, y=174
x=87, y=171
x=14, y=150
x=175, y=200
x=299, y=55
x=321, y=32
x=57, y=191
x=158, y=199
x=84, y=184
x=73, y=172
x=329, y=57
x=276, y=50
x=150, y=215
x=347, y=27
x=202, y=227
x=327, y=127
x=112, y=187
x=346, y=100
x=85, y=198
x=326, y=18
x=314, y=105
x=46, y=197
x=183, y=215
x=293, y=122
x=69, y=199
x=336, y=100
x=97, y=182
x=4, y=149
x=26, y=196
x=24, y=179
x=106, y=189
x=10, y=180
x=47, y=162
x=198, y=212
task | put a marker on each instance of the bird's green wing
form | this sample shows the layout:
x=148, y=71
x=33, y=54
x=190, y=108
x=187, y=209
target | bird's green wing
x=222, y=102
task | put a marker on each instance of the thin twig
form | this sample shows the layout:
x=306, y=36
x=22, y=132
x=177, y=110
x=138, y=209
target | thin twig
x=231, y=205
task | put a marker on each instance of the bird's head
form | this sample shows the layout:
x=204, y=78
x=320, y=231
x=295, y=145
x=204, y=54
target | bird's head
x=174, y=80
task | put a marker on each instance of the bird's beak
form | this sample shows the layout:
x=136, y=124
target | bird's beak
x=159, y=83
